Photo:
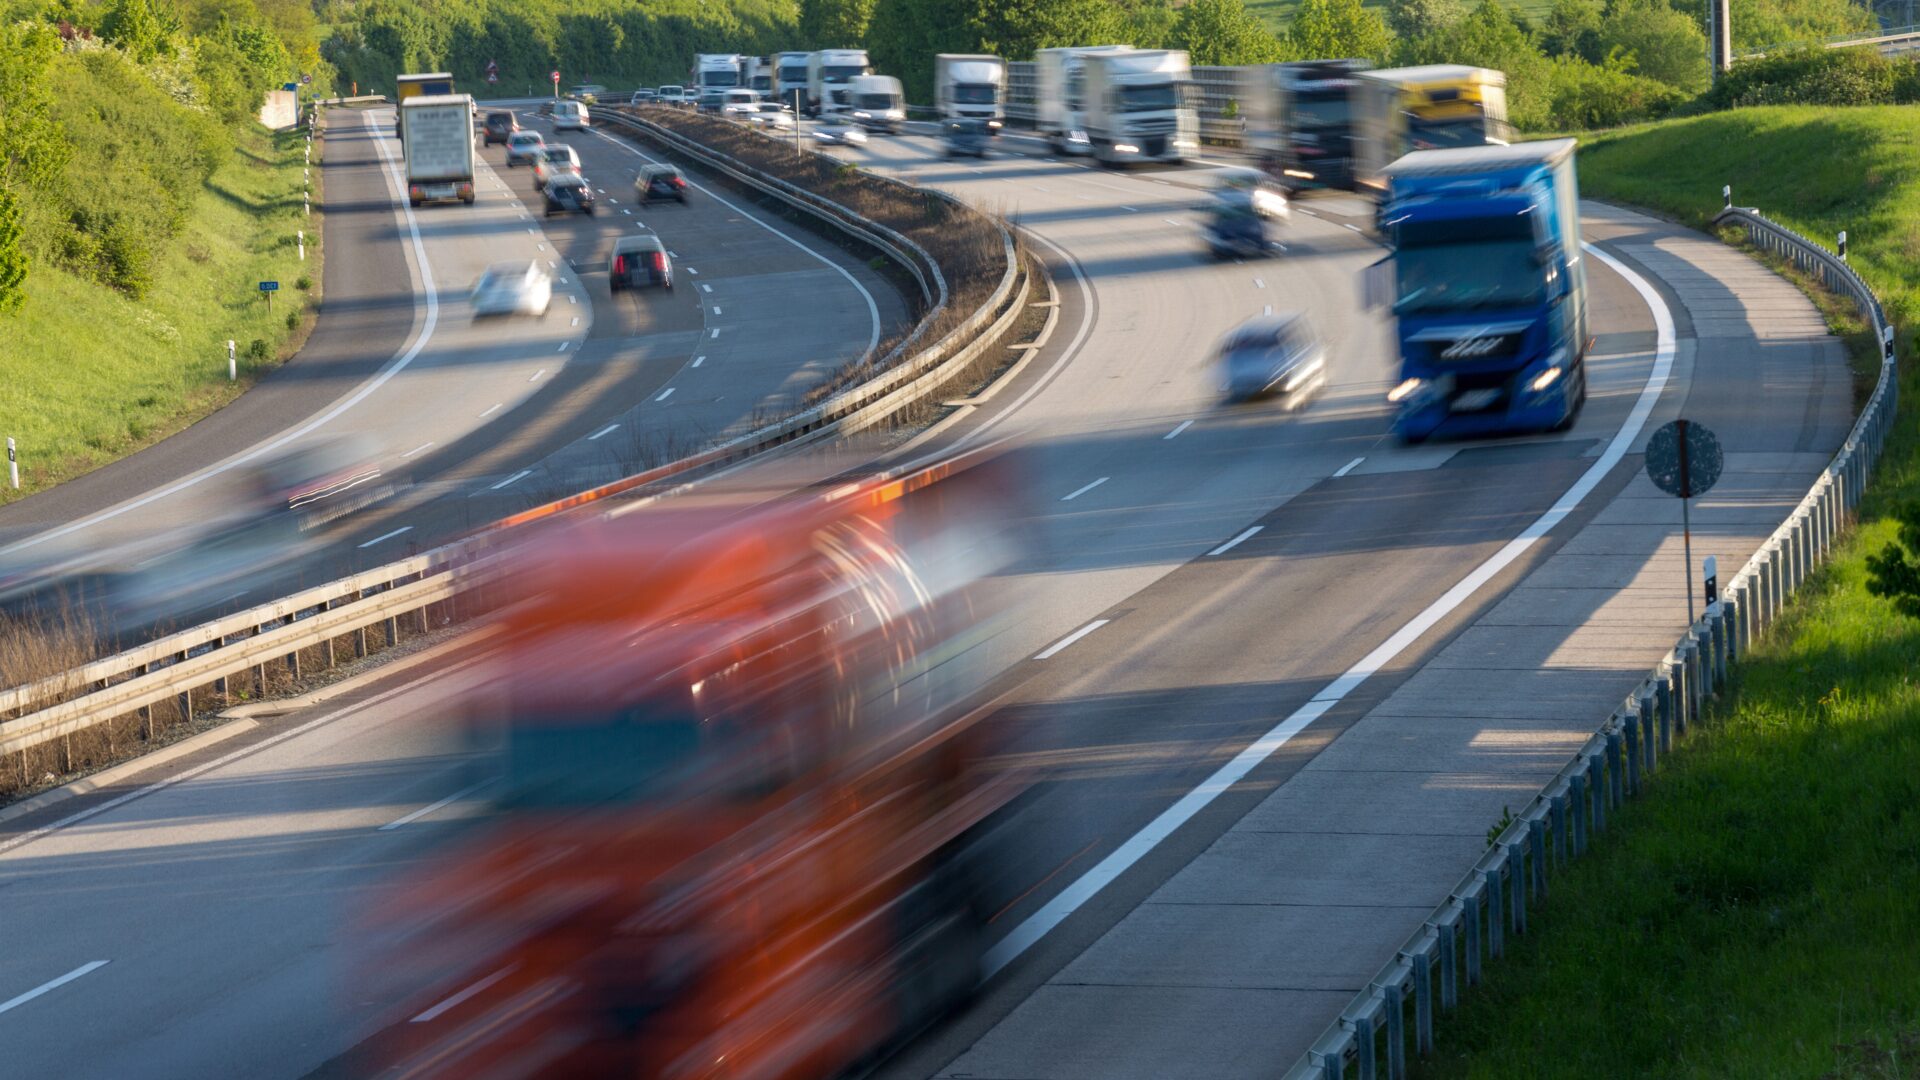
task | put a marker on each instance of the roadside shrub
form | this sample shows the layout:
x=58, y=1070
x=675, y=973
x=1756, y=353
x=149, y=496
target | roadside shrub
x=258, y=349
x=1814, y=76
x=1584, y=96
x=304, y=283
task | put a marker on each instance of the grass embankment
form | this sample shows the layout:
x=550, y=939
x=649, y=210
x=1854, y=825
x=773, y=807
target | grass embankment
x=1757, y=913
x=89, y=374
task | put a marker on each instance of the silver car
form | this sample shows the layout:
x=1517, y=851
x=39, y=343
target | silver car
x=553, y=161
x=1273, y=354
x=515, y=288
x=835, y=129
x=523, y=147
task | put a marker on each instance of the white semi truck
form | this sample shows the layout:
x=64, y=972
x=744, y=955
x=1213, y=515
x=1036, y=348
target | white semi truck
x=716, y=73
x=1137, y=106
x=436, y=131
x=1059, y=94
x=790, y=79
x=877, y=102
x=829, y=75
x=970, y=87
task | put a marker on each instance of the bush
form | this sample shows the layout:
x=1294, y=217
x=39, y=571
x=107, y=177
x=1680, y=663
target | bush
x=1815, y=77
x=1584, y=96
x=293, y=320
x=304, y=283
x=258, y=349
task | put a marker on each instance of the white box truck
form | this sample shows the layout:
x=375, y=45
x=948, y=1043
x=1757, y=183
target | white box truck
x=829, y=72
x=437, y=134
x=1059, y=94
x=877, y=102
x=968, y=87
x=790, y=79
x=714, y=74
x=1137, y=106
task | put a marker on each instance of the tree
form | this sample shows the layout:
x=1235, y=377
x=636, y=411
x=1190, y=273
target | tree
x=1490, y=37
x=13, y=254
x=1335, y=29
x=1417, y=18
x=1149, y=23
x=1895, y=572
x=1665, y=44
x=140, y=29
x=1222, y=33
x=835, y=24
x=1015, y=28
x=33, y=147
x=1572, y=28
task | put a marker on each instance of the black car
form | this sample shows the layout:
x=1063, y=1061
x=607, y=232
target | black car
x=500, y=126
x=568, y=191
x=638, y=261
x=968, y=138
x=660, y=182
x=1236, y=229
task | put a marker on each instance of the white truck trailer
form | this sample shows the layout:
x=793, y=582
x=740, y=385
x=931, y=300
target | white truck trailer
x=1059, y=94
x=716, y=73
x=970, y=87
x=829, y=75
x=1137, y=106
x=436, y=131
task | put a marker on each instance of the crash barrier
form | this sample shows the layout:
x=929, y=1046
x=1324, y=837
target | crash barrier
x=1216, y=100
x=1890, y=41
x=363, y=99
x=425, y=590
x=1396, y=1012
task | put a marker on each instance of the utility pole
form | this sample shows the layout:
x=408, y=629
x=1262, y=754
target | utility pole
x=1719, y=37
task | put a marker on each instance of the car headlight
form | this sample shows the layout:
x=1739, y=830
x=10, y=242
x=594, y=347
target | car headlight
x=993, y=124
x=1298, y=174
x=1125, y=148
x=862, y=116
x=1405, y=390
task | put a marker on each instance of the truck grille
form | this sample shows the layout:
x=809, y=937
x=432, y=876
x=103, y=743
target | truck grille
x=1486, y=349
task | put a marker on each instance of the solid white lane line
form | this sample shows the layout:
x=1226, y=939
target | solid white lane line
x=53, y=984
x=1348, y=467
x=1346, y=225
x=1057, y=646
x=665, y=394
x=1083, y=490
x=698, y=360
x=1236, y=541
x=608, y=430
x=1131, y=209
x=387, y=536
x=1184, y=425
x=416, y=450
x=1169, y=221
x=497, y=406
x=1136, y=847
x=432, y=806
x=456, y=1000
x=516, y=476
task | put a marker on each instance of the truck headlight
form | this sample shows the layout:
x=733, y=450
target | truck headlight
x=1125, y=148
x=1298, y=174
x=1405, y=390
x=995, y=124
x=1545, y=379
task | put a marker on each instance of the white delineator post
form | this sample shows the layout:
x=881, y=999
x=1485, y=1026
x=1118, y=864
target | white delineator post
x=301, y=238
x=233, y=364
x=13, y=465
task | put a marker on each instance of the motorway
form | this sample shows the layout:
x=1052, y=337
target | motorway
x=1208, y=576
x=472, y=419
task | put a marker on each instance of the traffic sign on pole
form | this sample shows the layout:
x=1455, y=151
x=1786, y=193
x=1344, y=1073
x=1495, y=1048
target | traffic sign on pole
x=1684, y=459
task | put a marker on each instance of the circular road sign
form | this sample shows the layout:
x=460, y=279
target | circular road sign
x=1683, y=459
x=555, y=76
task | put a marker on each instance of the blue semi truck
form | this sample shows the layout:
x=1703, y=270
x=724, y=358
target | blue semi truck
x=1489, y=289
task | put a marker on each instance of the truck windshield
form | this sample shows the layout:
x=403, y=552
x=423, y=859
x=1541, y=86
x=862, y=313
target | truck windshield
x=874, y=101
x=1158, y=97
x=973, y=93
x=1466, y=264
x=1439, y=134
x=566, y=761
x=719, y=78
x=793, y=74
x=1322, y=111
x=841, y=73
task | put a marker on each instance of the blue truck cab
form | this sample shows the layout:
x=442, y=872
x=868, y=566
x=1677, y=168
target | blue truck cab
x=1488, y=287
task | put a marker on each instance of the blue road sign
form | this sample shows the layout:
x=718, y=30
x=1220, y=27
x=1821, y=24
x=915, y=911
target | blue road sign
x=269, y=286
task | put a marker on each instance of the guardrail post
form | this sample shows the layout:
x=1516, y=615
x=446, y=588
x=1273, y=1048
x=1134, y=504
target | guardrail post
x=1422, y=964
x=1448, y=934
x=1736, y=603
x=1632, y=732
x=184, y=699
x=1396, y=1030
x=1717, y=631
x=1663, y=701
x=1577, y=796
x=1471, y=909
x=220, y=684
x=1517, y=860
x=1599, y=785
x=1537, y=836
x=145, y=713
x=327, y=645
x=1616, y=774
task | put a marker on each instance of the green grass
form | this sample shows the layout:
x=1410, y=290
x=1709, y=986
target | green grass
x=88, y=375
x=1757, y=913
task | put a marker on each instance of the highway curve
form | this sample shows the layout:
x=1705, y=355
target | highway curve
x=1166, y=637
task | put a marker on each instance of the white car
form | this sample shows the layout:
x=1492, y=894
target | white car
x=835, y=129
x=515, y=288
x=770, y=116
x=642, y=97
x=739, y=104
x=525, y=147
x=1266, y=197
x=569, y=116
x=551, y=161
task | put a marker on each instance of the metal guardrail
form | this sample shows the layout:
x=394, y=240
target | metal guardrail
x=1425, y=975
x=1889, y=40
x=172, y=667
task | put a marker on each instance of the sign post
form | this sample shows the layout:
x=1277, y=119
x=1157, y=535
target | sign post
x=1683, y=459
x=269, y=288
x=556, y=85
x=493, y=72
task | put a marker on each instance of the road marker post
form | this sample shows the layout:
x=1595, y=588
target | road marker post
x=301, y=239
x=233, y=363
x=13, y=465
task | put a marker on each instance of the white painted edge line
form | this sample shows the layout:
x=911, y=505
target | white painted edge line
x=497, y=406
x=1067, y=355
x=535, y=377
x=1348, y=467
x=1236, y=541
x=225, y=759
x=1169, y=221
x=1131, y=209
x=608, y=430
x=1136, y=847
x=384, y=537
x=1349, y=225
x=432, y=806
x=665, y=394
x=416, y=450
x=379, y=379
x=1058, y=646
x=521, y=475
x=456, y=1000
x=52, y=984
x=1082, y=490
x=873, y=308
x=1184, y=425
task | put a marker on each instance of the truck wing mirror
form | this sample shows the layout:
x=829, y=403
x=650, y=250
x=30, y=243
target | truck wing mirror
x=1376, y=284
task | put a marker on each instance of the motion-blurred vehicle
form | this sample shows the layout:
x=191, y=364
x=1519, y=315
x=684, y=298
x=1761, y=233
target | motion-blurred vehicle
x=1136, y=107
x=638, y=261
x=1268, y=198
x=714, y=74
x=747, y=794
x=642, y=96
x=670, y=95
x=524, y=147
x=554, y=160
x=585, y=93
x=836, y=129
x=1060, y=95
x=567, y=193
x=739, y=104
x=967, y=138
x=500, y=127
x=771, y=116
x=546, y=107
x=513, y=288
x=877, y=102
x=830, y=74
x=1234, y=229
x=659, y=182
x=570, y=116
x=968, y=87
x=1273, y=354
